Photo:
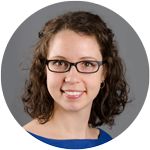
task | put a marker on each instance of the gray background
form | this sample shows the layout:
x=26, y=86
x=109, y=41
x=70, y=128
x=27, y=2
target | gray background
x=18, y=55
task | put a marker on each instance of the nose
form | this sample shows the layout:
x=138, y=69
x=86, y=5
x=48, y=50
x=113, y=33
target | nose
x=72, y=76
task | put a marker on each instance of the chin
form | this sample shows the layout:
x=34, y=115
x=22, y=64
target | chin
x=76, y=107
x=73, y=109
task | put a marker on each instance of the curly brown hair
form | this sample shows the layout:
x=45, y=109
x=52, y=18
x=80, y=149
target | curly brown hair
x=111, y=99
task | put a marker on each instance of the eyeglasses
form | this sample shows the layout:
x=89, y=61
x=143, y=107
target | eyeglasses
x=85, y=66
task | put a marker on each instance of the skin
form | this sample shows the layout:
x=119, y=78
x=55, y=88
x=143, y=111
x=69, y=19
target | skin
x=71, y=112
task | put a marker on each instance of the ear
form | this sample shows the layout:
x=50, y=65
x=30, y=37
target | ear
x=45, y=70
x=104, y=72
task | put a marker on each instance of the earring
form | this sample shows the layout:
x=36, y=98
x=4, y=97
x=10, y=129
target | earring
x=102, y=85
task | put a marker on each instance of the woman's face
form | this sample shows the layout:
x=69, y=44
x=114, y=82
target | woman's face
x=74, y=91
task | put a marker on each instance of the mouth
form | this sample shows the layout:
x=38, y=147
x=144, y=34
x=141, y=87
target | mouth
x=72, y=94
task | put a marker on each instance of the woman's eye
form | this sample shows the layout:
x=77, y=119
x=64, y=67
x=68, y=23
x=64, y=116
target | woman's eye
x=88, y=64
x=59, y=63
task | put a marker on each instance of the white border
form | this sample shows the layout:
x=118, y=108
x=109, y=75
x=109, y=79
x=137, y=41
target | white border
x=13, y=13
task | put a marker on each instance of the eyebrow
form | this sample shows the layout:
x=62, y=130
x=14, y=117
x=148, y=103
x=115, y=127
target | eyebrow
x=87, y=58
x=82, y=58
x=59, y=57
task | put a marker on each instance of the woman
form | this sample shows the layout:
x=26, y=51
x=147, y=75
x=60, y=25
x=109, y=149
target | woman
x=76, y=82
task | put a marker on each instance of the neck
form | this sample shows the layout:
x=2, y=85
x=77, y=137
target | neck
x=71, y=124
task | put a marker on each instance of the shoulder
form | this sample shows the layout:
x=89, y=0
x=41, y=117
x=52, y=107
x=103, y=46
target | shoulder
x=31, y=126
x=37, y=128
x=104, y=135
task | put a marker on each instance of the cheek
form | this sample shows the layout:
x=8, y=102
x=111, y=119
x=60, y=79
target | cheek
x=53, y=83
x=94, y=84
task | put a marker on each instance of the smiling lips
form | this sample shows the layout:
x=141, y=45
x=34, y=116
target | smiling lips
x=73, y=94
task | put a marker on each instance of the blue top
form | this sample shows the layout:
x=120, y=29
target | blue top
x=76, y=143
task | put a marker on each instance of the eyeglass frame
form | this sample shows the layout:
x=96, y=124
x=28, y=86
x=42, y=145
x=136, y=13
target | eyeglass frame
x=100, y=63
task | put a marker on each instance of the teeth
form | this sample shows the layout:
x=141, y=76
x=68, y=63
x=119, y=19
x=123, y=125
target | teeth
x=73, y=93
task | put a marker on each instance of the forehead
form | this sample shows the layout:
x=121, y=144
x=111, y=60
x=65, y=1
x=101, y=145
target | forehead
x=73, y=45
